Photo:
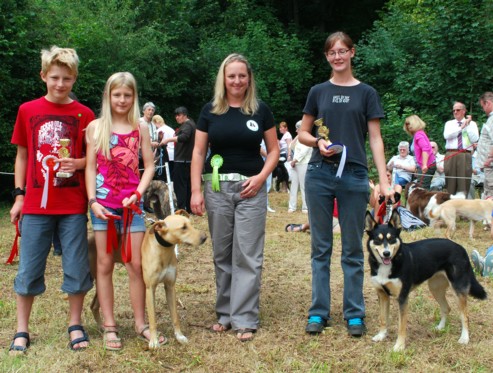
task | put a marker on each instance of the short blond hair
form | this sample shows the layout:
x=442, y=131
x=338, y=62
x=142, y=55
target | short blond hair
x=158, y=119
x=415, y=124
x=66, y=57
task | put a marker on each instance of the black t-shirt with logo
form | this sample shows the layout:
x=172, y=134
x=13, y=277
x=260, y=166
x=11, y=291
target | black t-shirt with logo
x=346, y=112
x=236, y=137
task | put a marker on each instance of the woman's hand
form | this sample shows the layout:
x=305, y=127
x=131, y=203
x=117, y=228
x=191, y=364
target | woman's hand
x=197, y=203
x=251, y=187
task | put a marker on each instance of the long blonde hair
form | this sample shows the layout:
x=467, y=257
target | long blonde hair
x=102, y=131
x=220, y=103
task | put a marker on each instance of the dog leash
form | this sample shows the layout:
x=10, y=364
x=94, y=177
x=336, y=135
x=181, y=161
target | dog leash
x=15, y=246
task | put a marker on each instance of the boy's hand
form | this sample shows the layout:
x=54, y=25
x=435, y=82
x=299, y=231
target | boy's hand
x=16, y=210
x=68, y=165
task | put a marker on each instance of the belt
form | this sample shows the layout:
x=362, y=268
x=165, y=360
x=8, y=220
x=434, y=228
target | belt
x=183, y=161
x=225, y=177
x=458, y=150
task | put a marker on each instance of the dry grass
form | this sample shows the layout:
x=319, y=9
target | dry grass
x=281, y=344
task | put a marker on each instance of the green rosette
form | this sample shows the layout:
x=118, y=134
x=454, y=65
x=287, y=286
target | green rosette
x=216, y=163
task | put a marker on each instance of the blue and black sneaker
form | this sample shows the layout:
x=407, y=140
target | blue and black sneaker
x=316, y=325
x=356, y=327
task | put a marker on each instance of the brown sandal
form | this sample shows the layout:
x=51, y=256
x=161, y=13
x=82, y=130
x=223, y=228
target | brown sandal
x=114, y=344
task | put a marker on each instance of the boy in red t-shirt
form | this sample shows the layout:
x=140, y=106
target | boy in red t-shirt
x=50, y=195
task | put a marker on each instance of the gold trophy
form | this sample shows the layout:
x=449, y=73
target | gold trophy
x=64, y=152
x=323, y=132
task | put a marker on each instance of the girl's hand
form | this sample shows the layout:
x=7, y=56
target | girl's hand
x=99, y=211
x=251, y=187
x=133, y=199
x=424, y=169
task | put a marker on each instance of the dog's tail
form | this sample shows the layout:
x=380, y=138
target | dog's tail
x=476, y=290
x=434, y=212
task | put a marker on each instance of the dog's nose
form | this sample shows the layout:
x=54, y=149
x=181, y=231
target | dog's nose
x=203, y=238
x=386, y=253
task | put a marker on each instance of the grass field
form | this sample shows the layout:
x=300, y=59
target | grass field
x=280, y=345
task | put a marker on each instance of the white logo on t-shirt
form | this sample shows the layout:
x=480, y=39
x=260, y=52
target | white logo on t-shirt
x=252, y=125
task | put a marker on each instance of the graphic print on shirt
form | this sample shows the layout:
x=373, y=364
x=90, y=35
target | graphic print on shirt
x=122, y=170
x=47, y=131
x=252, y=125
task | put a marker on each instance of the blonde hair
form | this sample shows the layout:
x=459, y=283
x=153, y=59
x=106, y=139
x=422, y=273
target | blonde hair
x=283, y=125
x=415, y=124
x=65, y=57
x=102, y=131
x=158, y=119
x=220, y=104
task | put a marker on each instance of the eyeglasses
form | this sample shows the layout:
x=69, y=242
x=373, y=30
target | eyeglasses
x=407, y=123
x=454, y=110
x=341, y=52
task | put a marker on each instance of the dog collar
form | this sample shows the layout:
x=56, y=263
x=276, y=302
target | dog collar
x=162, y=242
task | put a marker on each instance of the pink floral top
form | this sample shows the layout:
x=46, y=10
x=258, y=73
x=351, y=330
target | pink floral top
x=119, y=176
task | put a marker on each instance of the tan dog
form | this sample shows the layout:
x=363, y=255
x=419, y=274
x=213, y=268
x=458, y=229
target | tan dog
x=159, y=264
x=473, y=209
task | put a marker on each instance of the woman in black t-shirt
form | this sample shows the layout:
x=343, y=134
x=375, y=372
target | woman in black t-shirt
x=233, y=124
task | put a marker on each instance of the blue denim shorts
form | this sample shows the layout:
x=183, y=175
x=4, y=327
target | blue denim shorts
x=138, y=224
x=36, y=238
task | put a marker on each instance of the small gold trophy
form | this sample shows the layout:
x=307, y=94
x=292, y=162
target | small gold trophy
x=64, y=152
x=323, y=132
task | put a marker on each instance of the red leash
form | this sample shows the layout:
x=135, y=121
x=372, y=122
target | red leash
x=15, y=246
x=444, y=159
x=128, y=215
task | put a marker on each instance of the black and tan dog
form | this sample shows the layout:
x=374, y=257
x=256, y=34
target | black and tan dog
x=397, y=268
x=159, y=265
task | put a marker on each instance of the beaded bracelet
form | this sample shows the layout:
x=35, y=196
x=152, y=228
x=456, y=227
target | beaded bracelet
x=92, y=201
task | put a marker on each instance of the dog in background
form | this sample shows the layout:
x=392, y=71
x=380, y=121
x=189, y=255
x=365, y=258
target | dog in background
x=397, y=268
x=157, y=200
x=472, y=209
x=420, y=201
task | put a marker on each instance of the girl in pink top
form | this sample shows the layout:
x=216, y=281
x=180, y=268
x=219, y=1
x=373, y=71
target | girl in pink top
x=425, y=159
x=113, y=186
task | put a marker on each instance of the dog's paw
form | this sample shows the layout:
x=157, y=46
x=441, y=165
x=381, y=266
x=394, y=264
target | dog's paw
x=441, y=325
x=464, y=338
x=399, y=346
x=181, y=338
x=379, y=337
x=154, y=345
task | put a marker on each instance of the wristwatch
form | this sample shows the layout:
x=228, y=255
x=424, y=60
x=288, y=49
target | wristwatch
x=317, y=140
x=18, y=192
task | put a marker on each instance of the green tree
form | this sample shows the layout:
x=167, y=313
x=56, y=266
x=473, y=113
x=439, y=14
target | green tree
x=425, y=55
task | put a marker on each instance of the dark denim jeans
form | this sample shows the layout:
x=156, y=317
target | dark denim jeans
x=351, y=191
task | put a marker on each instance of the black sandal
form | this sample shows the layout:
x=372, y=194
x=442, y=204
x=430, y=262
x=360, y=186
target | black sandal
x=294, y=228
x=241, y=332
x=16, y=349
x=84, y=338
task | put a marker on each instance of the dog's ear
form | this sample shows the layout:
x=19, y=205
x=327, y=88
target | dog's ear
x=395, y=220
x=160, y=224
x=182, y=213
x=370, y=223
